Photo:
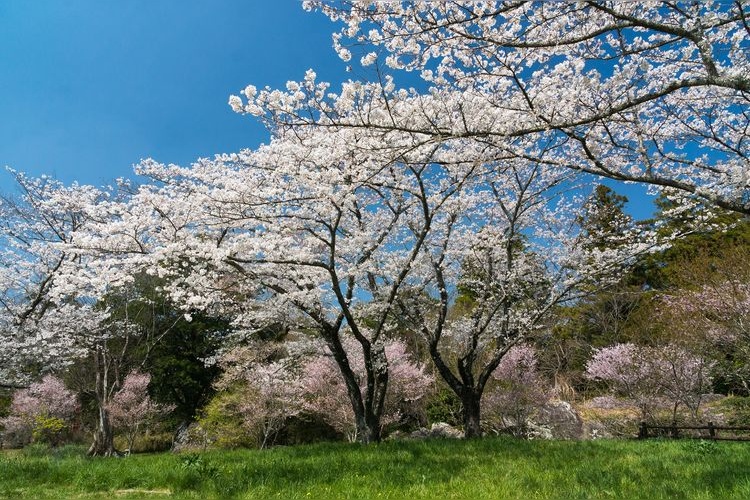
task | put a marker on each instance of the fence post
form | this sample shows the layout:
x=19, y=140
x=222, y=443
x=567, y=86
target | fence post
x=711, y=430
x=643, y=431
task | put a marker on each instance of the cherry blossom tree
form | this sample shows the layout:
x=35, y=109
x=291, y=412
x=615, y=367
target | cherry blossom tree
x=519, y=389
x=329, y=231
x=36, y=315
x=322, y=237
x=653, y=92
x=131, y=406
x=324, y=394
x=626, y=373
x=52, y=309
x=269, y=389
x=529, y=87
x=526, y=256
x=651, y=375
x=711, y=312
x=42, y=411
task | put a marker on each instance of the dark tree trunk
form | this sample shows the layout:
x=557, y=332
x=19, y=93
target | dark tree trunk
x=366, y=416
x=470, y=403
x=368, y=429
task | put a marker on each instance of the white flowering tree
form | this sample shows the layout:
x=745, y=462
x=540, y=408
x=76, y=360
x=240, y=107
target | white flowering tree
x=346, y=231
x=653, y=91
x=37, y=316
x=53, y=310
x=324, y=235
x=507, y=262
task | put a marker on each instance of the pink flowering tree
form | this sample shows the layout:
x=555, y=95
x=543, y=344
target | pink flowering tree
x=42, y=412
x=272, y=397
x=711, y=312
x=518, y=389
x=323, y=392
x=266, y=390
x=131, y=408
x=653, y=376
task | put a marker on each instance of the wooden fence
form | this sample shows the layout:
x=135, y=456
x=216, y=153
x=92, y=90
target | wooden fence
x=709, y=431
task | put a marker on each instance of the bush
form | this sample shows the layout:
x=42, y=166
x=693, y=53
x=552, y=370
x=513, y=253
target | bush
x=517, y=390
x=49, y=430
x=736, y=410
x=223, y=422
x=41, y=412
x=444, y=406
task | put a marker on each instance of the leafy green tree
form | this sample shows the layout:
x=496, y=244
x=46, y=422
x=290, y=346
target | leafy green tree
x=180, y=367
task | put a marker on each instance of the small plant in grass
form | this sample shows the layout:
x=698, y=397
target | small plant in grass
x=703, y=447
x=197, y=463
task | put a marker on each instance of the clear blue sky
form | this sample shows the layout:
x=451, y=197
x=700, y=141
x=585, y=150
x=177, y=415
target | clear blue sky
x=90, y=87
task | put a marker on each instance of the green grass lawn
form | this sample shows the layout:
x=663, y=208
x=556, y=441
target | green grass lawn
x=488, y=468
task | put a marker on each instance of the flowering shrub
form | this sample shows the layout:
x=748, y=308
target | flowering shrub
x=256, y=396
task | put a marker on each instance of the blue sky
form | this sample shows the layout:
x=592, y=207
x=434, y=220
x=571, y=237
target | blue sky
x=90, y=87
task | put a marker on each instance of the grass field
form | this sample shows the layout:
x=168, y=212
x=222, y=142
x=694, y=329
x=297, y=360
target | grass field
x=488, y=468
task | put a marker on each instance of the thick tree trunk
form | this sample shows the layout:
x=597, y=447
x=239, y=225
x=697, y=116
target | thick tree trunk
x=366, y=416
x=104, y=435
x=103, y=445
x=368, y=429
x=470, y=403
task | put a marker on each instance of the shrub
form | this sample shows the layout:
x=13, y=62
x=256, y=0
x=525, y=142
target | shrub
x=48, y=430
x=222, y=420
x=444, y=406
x=736, y=410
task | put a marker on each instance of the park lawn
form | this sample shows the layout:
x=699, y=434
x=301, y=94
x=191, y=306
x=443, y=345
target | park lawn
x=492, y=468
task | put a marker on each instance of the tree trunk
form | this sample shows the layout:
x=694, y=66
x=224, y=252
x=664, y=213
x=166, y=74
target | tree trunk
x=471, y=410
x=104, y=435
x=370, y=431
x=103, y=444
x=366, y=416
